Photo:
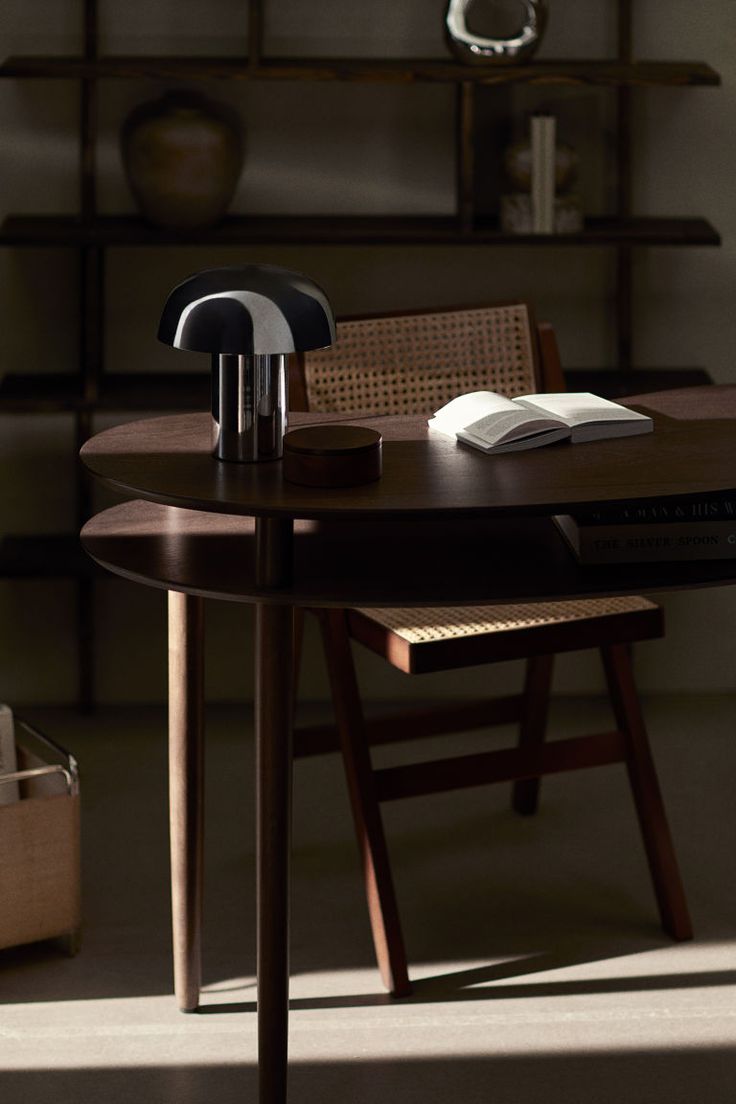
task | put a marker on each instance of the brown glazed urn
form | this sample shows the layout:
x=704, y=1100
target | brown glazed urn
x=182, y=155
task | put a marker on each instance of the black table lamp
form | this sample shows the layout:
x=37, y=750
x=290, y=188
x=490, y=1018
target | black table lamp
x=249, y=317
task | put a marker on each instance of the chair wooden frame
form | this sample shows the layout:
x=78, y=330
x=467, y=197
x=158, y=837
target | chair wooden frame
x=354, y=735
x=524, y=765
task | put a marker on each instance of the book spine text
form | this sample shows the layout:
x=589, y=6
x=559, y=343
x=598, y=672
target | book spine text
x=716, y=508
x=605, y=544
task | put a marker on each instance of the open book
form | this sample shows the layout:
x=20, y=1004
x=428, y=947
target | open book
x=493, y=423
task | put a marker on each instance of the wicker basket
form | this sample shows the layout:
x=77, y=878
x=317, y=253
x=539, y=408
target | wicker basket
x=40, y=845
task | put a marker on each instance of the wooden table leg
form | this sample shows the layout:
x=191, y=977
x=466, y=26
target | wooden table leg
x=186, y=790
x=273, y=725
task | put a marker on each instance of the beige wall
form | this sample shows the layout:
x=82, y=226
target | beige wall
x=349, y=148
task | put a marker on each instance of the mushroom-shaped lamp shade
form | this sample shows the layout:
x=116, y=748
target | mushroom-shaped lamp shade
x=249, y=318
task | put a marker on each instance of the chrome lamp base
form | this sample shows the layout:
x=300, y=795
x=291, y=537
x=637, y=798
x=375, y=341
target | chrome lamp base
x=249, y=406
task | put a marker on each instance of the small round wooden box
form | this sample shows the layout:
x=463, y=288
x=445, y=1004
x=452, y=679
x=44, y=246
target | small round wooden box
x=332, y=456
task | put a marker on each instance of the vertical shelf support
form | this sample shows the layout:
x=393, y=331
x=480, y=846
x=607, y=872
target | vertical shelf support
x=465, y=154
x=255, y=32
x=88, y=116
x=624, y=256
x=85, y=587
x=91, y=312
x=91, y=321
x=91, y=263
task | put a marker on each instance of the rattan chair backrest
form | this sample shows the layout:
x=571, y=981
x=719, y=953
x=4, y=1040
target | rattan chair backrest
x=414, y=363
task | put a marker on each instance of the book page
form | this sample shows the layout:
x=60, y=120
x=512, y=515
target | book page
x=514, y=442
x=461, y=412
x=502, y=427
x=490, y=419
x=580, y=408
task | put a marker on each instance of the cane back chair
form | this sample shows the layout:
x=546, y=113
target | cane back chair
x=413, y=363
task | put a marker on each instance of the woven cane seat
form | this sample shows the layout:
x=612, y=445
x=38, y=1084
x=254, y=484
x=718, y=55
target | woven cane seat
x=416, y=363
x=418, y=639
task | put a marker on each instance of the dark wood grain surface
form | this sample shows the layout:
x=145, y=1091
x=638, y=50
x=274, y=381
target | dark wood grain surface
x=692, y=451
x=414, y=562
x=371, y=70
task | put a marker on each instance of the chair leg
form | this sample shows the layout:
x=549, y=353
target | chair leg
x=537, y=683
x=382, y=906
x=647, y=796
x=186, y=790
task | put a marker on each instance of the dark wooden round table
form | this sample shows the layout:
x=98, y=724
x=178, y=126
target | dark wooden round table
x=444, y=525
x=425, y=474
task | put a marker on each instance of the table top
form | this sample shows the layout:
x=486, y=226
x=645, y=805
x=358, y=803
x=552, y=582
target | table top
x=691, y=452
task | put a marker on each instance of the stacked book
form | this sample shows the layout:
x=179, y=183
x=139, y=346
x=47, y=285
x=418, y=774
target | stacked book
x=653, y=531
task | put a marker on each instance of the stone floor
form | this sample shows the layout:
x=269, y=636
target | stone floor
x=541, y=975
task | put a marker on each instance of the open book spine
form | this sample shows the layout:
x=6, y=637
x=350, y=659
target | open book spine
x=543, y=140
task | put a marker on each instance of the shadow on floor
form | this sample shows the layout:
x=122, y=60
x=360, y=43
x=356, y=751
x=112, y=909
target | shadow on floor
x=608, y=1077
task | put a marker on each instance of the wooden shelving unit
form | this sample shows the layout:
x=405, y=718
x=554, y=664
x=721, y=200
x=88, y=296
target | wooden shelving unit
x=90, y=235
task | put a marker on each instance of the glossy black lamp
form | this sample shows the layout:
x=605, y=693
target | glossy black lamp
x=249, y=317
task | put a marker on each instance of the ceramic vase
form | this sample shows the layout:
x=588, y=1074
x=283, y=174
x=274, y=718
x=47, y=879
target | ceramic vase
x=182, y=155
x=517, y=163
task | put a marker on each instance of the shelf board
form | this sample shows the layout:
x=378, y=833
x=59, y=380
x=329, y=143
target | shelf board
x=138, y=391
x=42, y=393
x=114, y=230
x=373, y=70
x=45, y=556
x=58, y=393
x=613, y=383
x=155, y=391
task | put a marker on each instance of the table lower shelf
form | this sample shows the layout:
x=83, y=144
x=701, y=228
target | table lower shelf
x=372, y=563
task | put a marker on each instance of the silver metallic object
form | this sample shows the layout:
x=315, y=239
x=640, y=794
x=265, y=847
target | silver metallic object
x=476, y=49
x=249, y=317
x=249, y=406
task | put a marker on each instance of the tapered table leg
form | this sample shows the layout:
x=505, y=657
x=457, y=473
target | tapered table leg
x=273, y=725
x=186, y=790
